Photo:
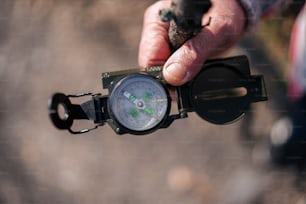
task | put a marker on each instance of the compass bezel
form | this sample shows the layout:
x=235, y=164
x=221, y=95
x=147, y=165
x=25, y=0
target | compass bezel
x=118, y=126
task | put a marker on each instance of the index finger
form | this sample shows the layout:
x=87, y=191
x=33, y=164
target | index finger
x=154, y=48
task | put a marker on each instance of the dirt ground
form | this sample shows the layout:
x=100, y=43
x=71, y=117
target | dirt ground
x=64, y=46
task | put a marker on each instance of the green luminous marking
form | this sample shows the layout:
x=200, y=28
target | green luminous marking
x=147, y=96
x=134, y=113
x=148, y=111
x=132, y=98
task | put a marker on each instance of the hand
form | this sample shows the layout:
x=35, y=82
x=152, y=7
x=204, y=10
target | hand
x=226, y=26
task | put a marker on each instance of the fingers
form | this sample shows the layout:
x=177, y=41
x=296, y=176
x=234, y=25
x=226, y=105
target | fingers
x=226, y=26
x=187, y=61
x=154, y=48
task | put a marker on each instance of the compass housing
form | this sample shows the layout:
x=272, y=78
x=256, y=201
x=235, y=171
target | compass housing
x=138, y=104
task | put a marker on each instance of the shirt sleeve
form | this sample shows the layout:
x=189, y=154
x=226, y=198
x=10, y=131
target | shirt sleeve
x=255, y=9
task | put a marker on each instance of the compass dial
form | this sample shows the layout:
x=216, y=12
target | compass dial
x=139, y=102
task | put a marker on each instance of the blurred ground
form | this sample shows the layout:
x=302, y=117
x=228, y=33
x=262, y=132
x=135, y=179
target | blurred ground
x=51, y=46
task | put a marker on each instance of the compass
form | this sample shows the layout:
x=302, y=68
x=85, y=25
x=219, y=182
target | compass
x=139, y=103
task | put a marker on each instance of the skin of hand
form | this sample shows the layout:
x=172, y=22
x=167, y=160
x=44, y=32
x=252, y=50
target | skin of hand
x=227, y=24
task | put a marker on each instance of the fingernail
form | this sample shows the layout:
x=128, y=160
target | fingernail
x=175, y=74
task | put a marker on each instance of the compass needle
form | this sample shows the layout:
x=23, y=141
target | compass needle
x=148, y=111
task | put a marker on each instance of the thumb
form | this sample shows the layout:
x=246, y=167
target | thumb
x=188, y=60
x=225, y=28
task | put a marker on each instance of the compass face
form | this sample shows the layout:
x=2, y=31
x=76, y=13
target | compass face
x=139, y=102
